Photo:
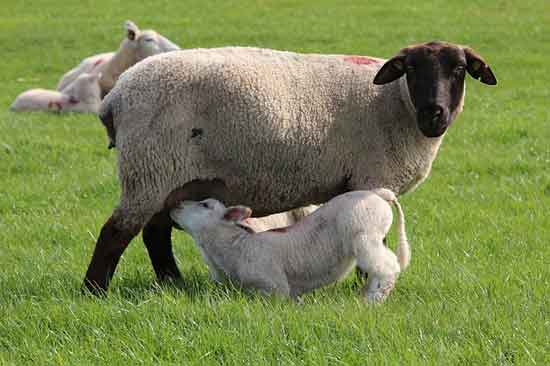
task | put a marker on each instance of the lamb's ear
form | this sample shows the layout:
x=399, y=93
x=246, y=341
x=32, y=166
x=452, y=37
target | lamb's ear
x=392, y=70
x=237, y=213
x=132, y=30
x=478, y=68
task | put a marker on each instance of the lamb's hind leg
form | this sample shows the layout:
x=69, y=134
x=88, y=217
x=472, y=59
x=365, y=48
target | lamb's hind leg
x=157, y=236
x=113, y=239
x=382, y=267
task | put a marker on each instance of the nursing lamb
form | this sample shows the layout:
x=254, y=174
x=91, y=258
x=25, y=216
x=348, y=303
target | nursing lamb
x=271, y=130
x=321, y=249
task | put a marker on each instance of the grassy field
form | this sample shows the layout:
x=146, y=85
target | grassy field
x=477, y=292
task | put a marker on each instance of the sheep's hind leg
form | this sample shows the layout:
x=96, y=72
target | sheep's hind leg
x=157, y=236
x=113, y=239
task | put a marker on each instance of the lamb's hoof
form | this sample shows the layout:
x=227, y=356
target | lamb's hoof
x=380, y=294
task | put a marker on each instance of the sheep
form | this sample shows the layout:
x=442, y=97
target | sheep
x=272, y=130
x=137, y=46
x=346, y=232
x=82, y=95
x=88, y=65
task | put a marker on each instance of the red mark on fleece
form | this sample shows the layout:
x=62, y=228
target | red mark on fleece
x=55, y=105
x=98, y=62
x=361, y=60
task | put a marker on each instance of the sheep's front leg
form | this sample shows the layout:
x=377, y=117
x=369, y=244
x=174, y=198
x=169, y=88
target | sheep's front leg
x=157, y=236
x=113, y=239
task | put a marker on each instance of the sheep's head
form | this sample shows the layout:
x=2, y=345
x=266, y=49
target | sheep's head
x=193, y=216
x=435, y=74
x=146, y=43
x=85, y=89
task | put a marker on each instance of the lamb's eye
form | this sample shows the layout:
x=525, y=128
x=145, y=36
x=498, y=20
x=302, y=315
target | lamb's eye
x=204, y=205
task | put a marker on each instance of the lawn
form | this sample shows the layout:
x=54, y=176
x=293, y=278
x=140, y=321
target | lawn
x=477, y=291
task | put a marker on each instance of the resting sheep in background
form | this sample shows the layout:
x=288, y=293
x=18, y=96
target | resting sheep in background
x=322, y=248
x=271, y=130
x=82, y=95
x=137, y=46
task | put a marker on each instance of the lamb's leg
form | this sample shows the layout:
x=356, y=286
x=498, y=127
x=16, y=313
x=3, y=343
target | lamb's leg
x=158, y=241
x=382, y=267
x=113, y=239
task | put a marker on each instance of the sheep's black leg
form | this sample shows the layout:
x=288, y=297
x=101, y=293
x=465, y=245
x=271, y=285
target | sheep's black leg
x=158, y=241
x=113, y=240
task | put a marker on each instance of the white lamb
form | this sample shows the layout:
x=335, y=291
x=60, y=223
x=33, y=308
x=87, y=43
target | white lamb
x=82, y=95
x=322, y=248
x=137, y=46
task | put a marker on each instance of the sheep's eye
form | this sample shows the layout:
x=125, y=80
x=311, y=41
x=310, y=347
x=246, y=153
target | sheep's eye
x=149, y=39
x=204, y=205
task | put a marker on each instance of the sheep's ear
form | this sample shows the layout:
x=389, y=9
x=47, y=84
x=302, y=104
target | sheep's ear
x=237, y=213
x=478, y=68
x=132, y=30
x=392, y=70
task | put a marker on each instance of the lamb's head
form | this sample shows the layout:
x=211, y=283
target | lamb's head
x=146, y=43
x=194, y=217
x=435, y=80
x=84, y=89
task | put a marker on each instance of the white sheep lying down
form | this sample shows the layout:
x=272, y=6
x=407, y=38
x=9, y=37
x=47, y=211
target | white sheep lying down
x=137, y=46
x=322, y=248
x=82, y=95
x=272, y=130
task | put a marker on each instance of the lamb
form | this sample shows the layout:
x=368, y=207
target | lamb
x=271, y=130
x=82, y=95
x=137, y=46
x=346, y=232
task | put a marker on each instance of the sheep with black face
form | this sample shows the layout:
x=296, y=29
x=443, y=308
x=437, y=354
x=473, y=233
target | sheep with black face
x=271, y=130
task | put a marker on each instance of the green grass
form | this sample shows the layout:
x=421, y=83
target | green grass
x=477, y=292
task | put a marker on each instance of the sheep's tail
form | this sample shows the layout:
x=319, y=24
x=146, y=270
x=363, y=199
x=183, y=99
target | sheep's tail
x=106, y=117
x=403, y=250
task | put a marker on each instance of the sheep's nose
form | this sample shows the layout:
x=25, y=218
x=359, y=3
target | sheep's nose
x=433, y=112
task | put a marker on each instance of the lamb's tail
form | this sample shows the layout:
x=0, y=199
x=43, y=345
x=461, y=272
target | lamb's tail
x=403, y=250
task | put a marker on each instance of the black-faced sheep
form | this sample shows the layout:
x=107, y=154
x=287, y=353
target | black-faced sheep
x=271, y=130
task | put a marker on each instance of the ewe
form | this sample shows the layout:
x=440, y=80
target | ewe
x=137, y=46
x=272, y=130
